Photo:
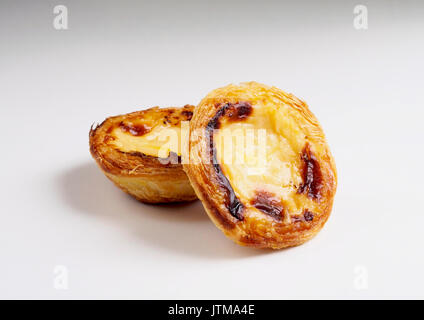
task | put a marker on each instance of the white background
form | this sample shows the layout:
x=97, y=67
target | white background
x=57, y=208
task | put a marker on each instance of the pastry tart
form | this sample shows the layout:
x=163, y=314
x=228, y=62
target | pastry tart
x=141, y=153
x=260, y=164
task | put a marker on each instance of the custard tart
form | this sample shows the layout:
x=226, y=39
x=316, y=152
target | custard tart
x=141, y=152
x=261, y=166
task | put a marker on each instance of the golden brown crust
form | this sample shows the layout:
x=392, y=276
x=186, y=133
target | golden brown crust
x=146, y=177
x=260, y=216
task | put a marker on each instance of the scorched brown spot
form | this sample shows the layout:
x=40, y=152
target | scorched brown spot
x=268, y=204
x=233, y=112
x=238, y=111
x=232, y=202
x=134, y=129
x=308, y=215
x=311, y=175
x=187, y=114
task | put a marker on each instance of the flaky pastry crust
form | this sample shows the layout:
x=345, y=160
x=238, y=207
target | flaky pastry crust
x=290, y=200
x=146, y=177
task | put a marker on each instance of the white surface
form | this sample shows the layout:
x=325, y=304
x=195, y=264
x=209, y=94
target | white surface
x=57, y=208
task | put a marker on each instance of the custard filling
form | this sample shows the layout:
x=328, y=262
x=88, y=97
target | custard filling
x=261, y=155
x=158, y=133
x=159, y=142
